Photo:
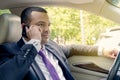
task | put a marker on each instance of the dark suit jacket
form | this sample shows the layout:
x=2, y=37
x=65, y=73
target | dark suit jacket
x=17, y=60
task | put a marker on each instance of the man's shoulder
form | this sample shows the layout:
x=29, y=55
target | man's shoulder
x=51, y=43
x=8, y=46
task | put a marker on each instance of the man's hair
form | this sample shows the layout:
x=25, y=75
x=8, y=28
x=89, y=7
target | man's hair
x=26, y=13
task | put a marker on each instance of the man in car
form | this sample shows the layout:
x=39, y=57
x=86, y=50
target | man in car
x=35, y=56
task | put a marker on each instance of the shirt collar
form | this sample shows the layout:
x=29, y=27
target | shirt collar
x=24, y=40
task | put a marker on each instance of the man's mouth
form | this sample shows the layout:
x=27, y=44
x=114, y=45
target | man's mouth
x=45, y=35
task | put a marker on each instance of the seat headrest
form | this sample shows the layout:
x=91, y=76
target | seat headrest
x=10, y=28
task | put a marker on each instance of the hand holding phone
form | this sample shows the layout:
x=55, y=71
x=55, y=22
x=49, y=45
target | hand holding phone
x=32, y=32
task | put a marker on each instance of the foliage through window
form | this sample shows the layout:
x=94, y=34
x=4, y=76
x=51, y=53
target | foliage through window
x=4, y=11
x=66, y=27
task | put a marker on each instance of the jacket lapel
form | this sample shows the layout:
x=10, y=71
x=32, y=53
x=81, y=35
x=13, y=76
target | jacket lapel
x=20, y=43
x=37, y=71
x=52, y=49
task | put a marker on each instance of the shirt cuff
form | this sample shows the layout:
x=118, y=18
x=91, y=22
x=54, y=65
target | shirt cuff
x=36, y=44
x=100, y=51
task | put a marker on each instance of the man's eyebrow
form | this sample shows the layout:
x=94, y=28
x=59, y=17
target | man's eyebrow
x=41, y=22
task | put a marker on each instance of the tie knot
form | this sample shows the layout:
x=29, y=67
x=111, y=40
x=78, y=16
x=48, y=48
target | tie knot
x=42, y=50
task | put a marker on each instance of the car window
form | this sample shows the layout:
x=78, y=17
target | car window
x=71, y=25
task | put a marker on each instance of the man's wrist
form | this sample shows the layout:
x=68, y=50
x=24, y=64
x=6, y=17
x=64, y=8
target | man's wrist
x=36, y=44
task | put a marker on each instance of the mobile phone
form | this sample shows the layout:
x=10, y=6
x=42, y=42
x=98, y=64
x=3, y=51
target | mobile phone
x=24, y=34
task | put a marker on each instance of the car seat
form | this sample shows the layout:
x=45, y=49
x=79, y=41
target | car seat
x=10, y=28
x=10, y=31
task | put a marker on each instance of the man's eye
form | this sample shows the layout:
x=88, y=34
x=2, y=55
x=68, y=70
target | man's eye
x=41, y=25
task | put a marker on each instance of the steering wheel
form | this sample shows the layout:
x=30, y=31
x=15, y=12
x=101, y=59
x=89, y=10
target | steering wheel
x=114, y=73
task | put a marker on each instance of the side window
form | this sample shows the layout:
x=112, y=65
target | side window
x=73, y=26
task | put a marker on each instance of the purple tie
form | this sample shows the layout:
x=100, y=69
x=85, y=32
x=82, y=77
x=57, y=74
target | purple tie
x=49, y=66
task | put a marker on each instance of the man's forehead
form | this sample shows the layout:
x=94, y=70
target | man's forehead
x=41, y=15
x=44, y=22
x=37, y=12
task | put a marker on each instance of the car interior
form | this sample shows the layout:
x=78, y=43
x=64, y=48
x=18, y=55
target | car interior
x=82, y=67
x=8, y=30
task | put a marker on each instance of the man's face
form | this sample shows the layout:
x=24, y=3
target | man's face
x=41, y=20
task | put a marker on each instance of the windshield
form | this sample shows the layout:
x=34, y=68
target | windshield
x=115, y=2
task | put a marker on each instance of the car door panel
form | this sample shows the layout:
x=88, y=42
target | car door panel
x=80, y=73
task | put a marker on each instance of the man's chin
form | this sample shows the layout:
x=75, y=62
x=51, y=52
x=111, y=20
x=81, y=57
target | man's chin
x=44, y=41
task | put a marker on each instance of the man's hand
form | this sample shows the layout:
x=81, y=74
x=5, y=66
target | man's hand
x=33, y=32
x=110, y=52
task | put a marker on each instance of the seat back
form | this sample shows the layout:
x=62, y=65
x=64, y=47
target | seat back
x=10, y=28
